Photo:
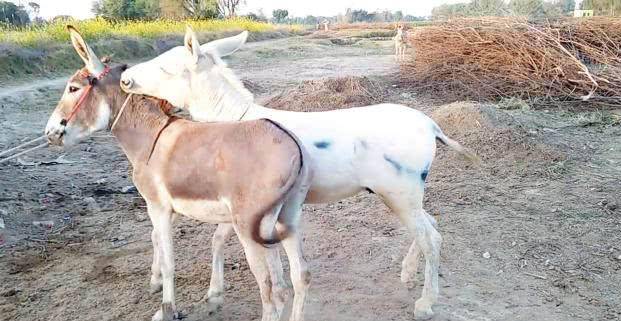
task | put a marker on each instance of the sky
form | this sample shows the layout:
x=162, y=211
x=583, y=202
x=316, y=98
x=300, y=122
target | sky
x=82, y=8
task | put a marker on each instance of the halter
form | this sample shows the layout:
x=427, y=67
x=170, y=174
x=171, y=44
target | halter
x=91, y=82
x=87, y=90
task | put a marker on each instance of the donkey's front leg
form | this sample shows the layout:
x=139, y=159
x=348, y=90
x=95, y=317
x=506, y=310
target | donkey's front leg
x=161, y=218
x=156, y=270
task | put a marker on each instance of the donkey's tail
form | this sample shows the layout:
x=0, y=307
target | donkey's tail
x=465, y=152
x=297, y=172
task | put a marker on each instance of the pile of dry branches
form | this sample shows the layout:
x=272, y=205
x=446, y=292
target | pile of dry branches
x=490, y=58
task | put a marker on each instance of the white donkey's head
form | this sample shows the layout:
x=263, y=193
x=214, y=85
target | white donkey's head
x=169, y=76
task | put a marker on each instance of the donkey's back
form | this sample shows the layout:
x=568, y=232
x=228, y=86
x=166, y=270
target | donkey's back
x=211, y=171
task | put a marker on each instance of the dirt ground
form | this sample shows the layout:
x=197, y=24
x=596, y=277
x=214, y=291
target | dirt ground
x=533, y=234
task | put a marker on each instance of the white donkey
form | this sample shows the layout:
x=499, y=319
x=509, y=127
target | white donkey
x=386, y=149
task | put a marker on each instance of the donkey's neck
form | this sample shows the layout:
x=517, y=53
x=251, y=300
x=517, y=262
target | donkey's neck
x=218, y=95
x=138, y=126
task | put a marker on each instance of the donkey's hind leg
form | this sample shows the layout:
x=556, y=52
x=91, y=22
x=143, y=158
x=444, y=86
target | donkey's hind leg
x=429, y=241
x=257, y=257
x=409, y=266
x=215, y=294
x=407, y=202
x=300, y=276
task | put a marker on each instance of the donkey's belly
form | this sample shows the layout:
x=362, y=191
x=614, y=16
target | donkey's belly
x=214, y=212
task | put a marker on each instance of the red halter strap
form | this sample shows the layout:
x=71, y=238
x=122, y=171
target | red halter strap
x=87, y=89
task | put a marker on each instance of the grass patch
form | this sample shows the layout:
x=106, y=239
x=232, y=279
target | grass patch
x=46, y=49
x=378, y=34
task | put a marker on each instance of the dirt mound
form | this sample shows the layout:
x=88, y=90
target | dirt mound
x=496, y=137
x=327, y=94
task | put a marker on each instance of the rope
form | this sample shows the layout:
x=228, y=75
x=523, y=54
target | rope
x=120, y=111
x=8, y=151
x=22, y=153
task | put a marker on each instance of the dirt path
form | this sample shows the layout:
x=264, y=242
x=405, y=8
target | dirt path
x=551, y=224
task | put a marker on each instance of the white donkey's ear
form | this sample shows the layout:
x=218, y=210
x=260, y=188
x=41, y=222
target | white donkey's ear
x=225, y=46
x=191, y=43
x=91, y=62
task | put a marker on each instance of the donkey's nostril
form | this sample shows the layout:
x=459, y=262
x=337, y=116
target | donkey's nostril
x=127, y=83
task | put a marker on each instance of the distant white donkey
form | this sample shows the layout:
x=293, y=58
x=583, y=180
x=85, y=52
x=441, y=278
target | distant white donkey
x=386, y=149
x=401, y=42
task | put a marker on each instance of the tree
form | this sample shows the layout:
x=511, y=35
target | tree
x=398, y=16
x=447, y=11
x=413, y=18
x=360, y=16
x=228, y=8
x=172, y=9
x=311, y=20
x=13, y=14
x=256, y=17
x=280, y=15
x=602, y=7
x=529, y=8
x=201, y=8
x=487, y=8
x=348, y=17
x=383, y=16
x=35, y=7
x=126, y=9
x=567, y=6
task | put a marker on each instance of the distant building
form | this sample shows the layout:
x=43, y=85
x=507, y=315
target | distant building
x=583, y=13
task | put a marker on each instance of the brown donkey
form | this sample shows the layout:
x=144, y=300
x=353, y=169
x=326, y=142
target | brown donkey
x=251, y=174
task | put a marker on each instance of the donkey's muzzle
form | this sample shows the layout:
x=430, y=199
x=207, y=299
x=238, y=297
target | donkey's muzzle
x=55, y=135
x=127, y=83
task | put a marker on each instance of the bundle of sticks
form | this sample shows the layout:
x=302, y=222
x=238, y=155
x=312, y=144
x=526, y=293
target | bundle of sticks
x=490, y=58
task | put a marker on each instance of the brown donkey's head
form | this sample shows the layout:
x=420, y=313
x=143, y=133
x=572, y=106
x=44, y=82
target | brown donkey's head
x=91, y=98
x=86, y=105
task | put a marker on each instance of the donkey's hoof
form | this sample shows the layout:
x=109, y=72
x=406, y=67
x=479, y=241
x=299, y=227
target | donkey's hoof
x=422, y=310
x=281, y=295
x=213, y=303
x=155, y=288
x=165, y=313
x=408, y=277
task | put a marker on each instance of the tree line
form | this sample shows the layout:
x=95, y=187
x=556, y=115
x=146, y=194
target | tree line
x=528, y=8
x=18, y=15
x=171, y=9
x=350, y=16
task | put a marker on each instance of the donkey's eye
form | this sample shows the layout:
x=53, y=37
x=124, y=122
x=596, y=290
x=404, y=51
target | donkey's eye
x=73, y=89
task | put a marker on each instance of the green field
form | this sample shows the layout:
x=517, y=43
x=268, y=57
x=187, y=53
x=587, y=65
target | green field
x=42, y=50
x=45, y=34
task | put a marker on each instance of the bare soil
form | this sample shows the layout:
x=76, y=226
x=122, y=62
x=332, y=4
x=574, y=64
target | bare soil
x=534, y=233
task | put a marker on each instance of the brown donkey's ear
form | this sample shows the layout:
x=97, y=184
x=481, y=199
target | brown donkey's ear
x=91, y=62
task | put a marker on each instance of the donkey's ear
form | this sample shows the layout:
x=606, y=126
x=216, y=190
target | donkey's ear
x=225, y=46
x=91, y=62
x=191, y=43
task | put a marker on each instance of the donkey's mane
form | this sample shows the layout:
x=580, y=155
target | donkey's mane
x=230, y=77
